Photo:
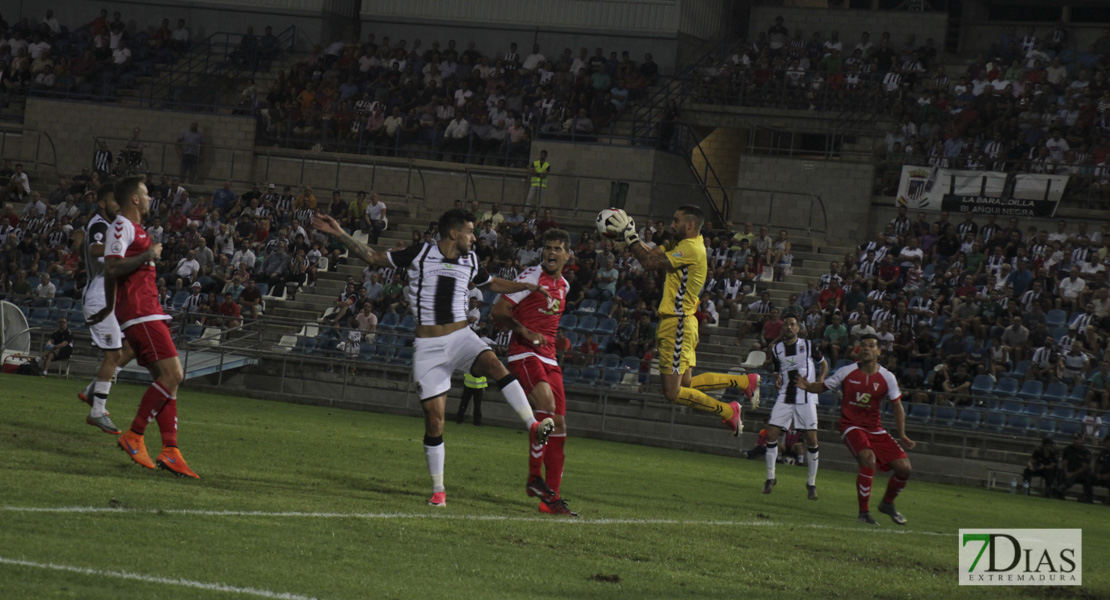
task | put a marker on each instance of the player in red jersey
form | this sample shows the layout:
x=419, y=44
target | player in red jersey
x=864, y=386
x=131, y=291
x=533, y=319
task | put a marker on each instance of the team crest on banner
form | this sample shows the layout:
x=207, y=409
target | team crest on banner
x=914, y=187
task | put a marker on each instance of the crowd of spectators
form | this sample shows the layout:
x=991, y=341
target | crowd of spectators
x=446, y=102
x=956, y=302
x=103, y=53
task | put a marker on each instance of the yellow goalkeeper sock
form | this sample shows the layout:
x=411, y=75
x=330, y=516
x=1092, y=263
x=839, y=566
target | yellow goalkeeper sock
x=699, y=401
x=708, y=382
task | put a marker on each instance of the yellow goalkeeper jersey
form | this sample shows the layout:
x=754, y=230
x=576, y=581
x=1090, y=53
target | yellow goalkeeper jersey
x=685, y=278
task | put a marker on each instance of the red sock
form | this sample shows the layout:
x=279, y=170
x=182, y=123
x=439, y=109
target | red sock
x=553, y=460
x=536, y=452
x=167, y=422
x=153, y=399
x=863, y=487
x=893, y=487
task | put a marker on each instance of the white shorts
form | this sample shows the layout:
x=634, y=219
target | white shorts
x=803, y=416
x=106, y=334
x=436, y=359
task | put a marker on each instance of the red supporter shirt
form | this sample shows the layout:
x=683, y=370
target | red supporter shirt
x=863, y=396
x=137, y=292
x=538, y=313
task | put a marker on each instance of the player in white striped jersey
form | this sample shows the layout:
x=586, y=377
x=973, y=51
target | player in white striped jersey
x=439, y=275
x=793, y=357
x=106, y=334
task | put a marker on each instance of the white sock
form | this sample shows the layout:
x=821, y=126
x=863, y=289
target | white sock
x=100, y=398
x=434, y=455
x=771, y=456
x=516, y=398
x=811, y=465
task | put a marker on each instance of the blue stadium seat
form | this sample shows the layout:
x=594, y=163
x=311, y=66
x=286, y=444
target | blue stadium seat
x=944, y=416
x=610, y=361
x=1055, y=318
x=607, y=326
x=1020, y=369
x=366, y=351
x=179, y=299
x=588, y=324
x=1059, y=333
x=939, y=323
x=63, y=303
x=840, y=364
x=611, y=378
x=568, y=322
x=574, y=340
x=1046, y=426
x=193, y=332
x=1063, y=411
x=968, y=419
x=39, y=317
x=605, y=308
x=920, y=413
x=76, y=319
x=1078, y=393
x=1069, y=428
x=630, y=363
x=1035, y=408
x=404, y=357
x=826, y=401
x=1017, y=425
x=1055, y=392
x=994, y=420
x=383, y=353
x=589, y=376
x=571, y=374
x=982, y=384
x=263, y=287
x=1012, y=406
x=587, y=306
x=1007, y=386
x=1031, y=390
x=305, y=345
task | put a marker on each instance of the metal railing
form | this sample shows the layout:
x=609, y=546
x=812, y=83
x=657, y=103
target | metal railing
x=163, y=158
x=42, y=155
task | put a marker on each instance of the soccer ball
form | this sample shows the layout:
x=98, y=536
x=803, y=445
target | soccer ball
x=603, y=219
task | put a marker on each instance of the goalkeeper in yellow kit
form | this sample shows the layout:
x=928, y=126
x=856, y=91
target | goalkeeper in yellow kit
x=677, y=336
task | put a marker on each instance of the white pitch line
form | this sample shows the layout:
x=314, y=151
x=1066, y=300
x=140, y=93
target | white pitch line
x=200, y=585
x=442, y=516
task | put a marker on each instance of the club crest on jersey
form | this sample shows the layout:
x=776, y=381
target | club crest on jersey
x=876, y=386
x=117, y=247
x=677, y=254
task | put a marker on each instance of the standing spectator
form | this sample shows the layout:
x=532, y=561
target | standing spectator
x=540, y=170
x=376, y=217
x=188, y=149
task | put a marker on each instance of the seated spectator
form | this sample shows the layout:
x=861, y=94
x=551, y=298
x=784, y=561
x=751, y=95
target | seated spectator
x=1044, y=463
x=60, y=346
x=1075, y=467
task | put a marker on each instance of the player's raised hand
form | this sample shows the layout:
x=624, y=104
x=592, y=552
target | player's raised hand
x=326, y=224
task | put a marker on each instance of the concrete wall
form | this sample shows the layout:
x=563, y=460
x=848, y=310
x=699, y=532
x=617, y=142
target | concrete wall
x=845, y=189
x=851, y=23
x=581, y=174
x=202, y=18
x=229, y=141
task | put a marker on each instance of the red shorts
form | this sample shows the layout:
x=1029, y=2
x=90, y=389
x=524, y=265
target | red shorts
x=151, y=342
x=882, y=444
x=530, y=371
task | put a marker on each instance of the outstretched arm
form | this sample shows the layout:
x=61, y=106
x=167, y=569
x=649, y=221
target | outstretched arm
x=504, y=286
x=652, y=259
x=365, y=253
x=900, y=425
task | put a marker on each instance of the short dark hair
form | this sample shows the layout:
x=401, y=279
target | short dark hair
x=454, y=219
x=869, y=336
x=694, y=212
x=127, y=187
x=557, y=235
x=104, y=191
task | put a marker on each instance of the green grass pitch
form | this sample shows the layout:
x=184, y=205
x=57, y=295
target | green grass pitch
x=309, y=502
